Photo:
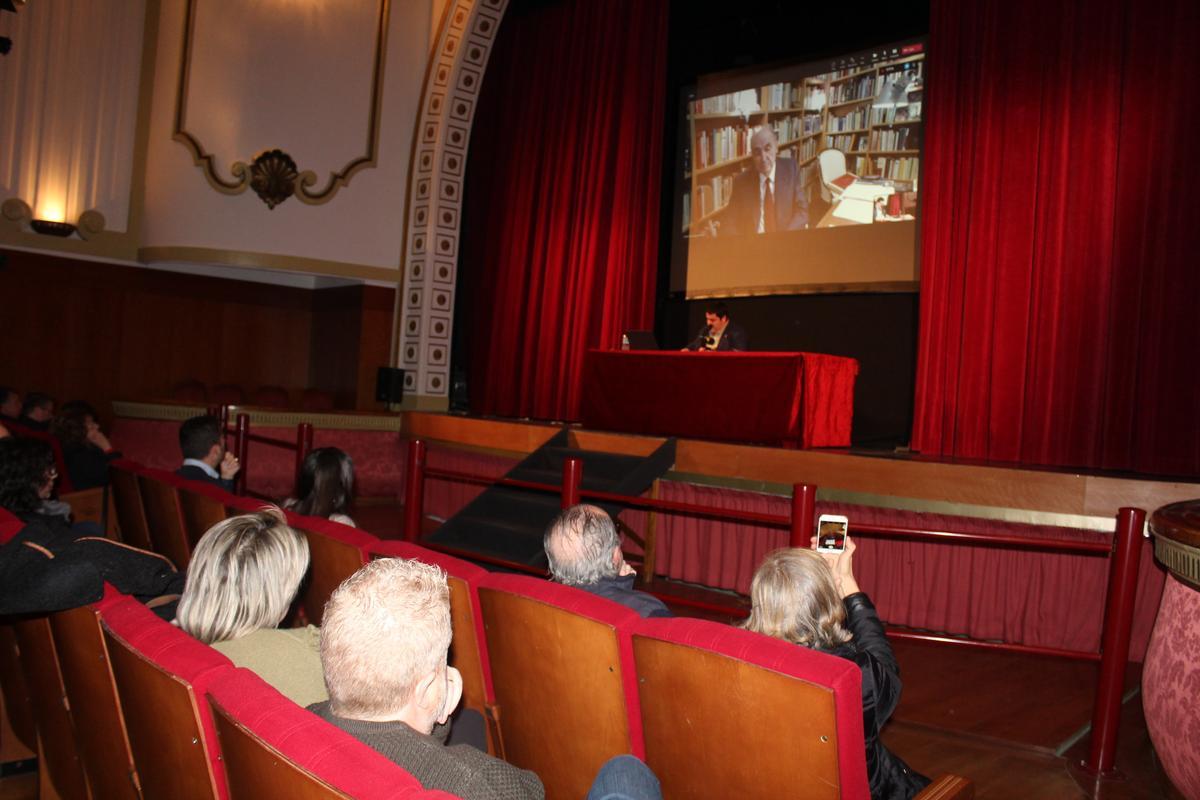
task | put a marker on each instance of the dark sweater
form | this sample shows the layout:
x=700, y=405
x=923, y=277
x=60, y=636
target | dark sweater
x=51, y=565
x=459, y=769
x=87, y=465
x=620, y=590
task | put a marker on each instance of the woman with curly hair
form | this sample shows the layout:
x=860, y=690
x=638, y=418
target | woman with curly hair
x=51, y=564
x=811, y=599
x=27, y=476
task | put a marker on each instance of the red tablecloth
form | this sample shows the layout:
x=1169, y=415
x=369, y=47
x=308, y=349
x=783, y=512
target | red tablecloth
x=804, y=398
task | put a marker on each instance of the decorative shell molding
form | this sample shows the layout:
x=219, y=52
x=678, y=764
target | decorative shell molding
x=301, y=181
x=272, y=177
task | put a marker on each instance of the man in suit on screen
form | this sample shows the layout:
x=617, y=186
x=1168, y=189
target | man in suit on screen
x=768, y=197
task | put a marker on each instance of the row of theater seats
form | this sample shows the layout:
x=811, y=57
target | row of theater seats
x=228, y=394
x=565, y=679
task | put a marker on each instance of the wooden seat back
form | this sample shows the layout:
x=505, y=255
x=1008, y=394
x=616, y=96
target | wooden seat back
x=563, y=679
x=127, y=499
x=270, y=747
x=337, y=551
x=202, y=505
x=58, y=761
x=160, y=498
x=729, y=713
x=18, y=707
x=92, y=694
x=161, y=675
x=468, y=648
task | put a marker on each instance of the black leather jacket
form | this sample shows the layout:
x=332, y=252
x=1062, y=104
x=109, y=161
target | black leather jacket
x=887, y=774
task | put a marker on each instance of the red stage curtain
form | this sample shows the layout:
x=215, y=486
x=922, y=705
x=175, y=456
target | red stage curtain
x=1059, y=289
x=566, y=166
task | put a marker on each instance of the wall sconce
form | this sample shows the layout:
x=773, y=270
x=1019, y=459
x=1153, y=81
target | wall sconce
x=91, y=222
x=48, y=227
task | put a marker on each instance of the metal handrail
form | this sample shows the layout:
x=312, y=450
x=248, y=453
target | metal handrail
x=242, y=437
x=1124, y=553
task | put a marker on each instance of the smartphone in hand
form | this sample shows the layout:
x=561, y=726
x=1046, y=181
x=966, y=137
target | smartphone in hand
x=831, y=533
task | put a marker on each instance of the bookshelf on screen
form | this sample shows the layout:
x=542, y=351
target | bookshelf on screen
x=851, y=125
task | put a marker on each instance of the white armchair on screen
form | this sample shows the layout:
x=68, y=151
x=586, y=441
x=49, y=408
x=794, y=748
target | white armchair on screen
x=833, y=166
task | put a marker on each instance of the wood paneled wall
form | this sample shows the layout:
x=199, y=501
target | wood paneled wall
x=80, y=329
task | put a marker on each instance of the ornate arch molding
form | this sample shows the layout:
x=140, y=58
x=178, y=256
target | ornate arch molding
x=273, y=173
x=425, y=305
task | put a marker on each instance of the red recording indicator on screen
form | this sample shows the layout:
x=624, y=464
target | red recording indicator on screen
x=909, y=49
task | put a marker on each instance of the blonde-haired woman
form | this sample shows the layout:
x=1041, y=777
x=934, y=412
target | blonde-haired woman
x=811, y=599
x=241, y=581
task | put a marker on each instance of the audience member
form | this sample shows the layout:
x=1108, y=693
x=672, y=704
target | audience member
x=37, y=411
x=241, y=581
x=384, y=642
x=326, y=486
x=86, y=450
x=51, y=564
x=584, y=551
x=811, y=599
x=204, y=456
x=4, y=434
x=10, y=404
x=27, y=477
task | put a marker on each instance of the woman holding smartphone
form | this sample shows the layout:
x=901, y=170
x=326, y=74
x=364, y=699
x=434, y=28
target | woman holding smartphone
x=811, y=599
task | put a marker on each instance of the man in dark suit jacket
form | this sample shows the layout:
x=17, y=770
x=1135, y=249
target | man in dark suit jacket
x=584, y=550
x=768, y=197
x=204, y=455
x=719, y=332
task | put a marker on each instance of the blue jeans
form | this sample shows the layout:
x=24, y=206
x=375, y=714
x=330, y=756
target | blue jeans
x=625, y=778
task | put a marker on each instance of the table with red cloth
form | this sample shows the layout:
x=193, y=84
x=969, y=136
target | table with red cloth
x=794, y=398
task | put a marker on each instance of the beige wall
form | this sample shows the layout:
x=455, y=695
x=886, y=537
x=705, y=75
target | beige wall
x=292, y=74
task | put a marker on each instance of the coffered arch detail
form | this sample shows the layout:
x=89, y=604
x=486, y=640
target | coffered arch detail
x=425, y=305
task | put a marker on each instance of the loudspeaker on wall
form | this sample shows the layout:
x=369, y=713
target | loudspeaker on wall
x=389, y=385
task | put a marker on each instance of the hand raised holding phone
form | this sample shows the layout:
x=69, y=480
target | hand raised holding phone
x=837, y=548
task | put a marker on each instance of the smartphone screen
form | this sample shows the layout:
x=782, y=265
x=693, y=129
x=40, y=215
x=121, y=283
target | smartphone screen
x=831, y=535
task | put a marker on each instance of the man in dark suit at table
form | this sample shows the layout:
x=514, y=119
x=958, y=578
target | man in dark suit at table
x=204, y=455
x=719, y=332
x=769, y=197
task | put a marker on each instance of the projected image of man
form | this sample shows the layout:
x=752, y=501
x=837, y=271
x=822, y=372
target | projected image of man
x=767, y=197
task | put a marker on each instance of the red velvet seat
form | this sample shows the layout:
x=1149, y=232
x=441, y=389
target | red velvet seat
x=164, y=519
x=337, y=551
x=18, y=707
x=468, y=650
x=730, y=713
x=91, y=694
x=317, y=400
x=161, y=675
x=228, y=394
x=60, y=771
x=271, y=397
x=562, y=671
x=201, y=505
x=273, y=748
x=10, y=525
x=189, y=391
x=127, y=500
